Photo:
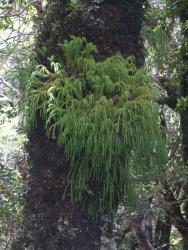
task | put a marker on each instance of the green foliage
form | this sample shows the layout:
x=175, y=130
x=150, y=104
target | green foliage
x=163, y=37
x=11, y=204
x=159, y=41
x=105, y=117
x=12, y=185
x=176, y=240
x=179, y=8
x=74, y=5
x=182, y=103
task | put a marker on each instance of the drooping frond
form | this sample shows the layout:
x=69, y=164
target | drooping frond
x=159, y=45
x=105, y=117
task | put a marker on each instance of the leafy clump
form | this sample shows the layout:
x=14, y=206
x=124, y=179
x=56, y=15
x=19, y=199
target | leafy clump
x=182, y=104
x=104, y=115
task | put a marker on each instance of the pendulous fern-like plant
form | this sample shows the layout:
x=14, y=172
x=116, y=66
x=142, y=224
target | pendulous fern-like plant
x=104, y=115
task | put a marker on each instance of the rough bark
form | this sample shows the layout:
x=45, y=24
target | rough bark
x=184, y=83
x=183, y=14
x=162, y=232
x=52, y=221
x=184, y=126
x=142, y=238
x=148, y=226
x=180, y=222
x=185, y=242
x=114, y=26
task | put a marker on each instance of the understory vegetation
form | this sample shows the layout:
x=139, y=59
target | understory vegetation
x=13, y=172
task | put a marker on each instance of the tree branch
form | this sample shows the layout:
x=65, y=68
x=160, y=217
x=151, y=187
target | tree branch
x=3, y=81
x=170, y=99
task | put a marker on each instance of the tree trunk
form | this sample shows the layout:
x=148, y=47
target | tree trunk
x=183, y=14
x=144, y=243
x=181, y=221
x=52, y=221
x=113, y=26
x=185, y=242
x=162, y=232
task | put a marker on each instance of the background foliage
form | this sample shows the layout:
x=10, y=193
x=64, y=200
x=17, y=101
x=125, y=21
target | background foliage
x=164, y=36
